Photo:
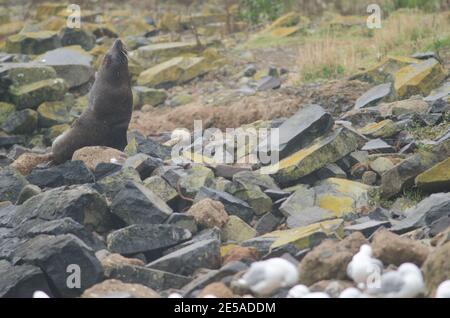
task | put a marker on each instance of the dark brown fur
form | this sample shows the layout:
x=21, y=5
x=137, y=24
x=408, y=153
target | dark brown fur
x=105, y=121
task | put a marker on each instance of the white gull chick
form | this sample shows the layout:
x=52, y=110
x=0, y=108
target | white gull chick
x=301, y=291
x=364, y=267
x=40, y=294
x=351, y=293
x=443, y=290
x=268, y=276
x=405, y=282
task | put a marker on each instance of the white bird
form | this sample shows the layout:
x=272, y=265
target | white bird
x=351, y=293
x=268, y=276
x=364, y=268
x=40, y=294
x=301, y=291
x=175, y=295
x=443, y=290
x=405, y=282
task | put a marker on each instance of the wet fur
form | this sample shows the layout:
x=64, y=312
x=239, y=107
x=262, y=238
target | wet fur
x=105, y=121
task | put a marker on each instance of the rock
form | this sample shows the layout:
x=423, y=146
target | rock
x=393, y=249
x=299, y=131
x=74, y=36
x=148, y=96
x=331, y=170
x=185, y=261
x=403, y=174
x=250, y=70
x=252, y=194
x=418, y=78
x=81, y=203
x=436, y=178
x=56, y=255
x=34, y=94
x=133, y=272
x=48, y=9
x=68, y=173
x=152, y=148
x=196, y=178
x=369, y=178
x=265, y=182
x=404, y=107
x=435, y=269
x=176, y=71
x=21, y=281
x=145, y=237
x=184, y=221
x=267, y=223
x=374, y=95
x=440, y=93
x=383, y=71
x=425, y=213
x=367, y=228
x=32, y=42
x=6, y=109
x=65, y=226
x=113, y=288
x=381, y=165
x=160, y=52
x=267, y=83
x=11, y=184
x=323, y=151
x=112, y=184
x=378, y=146
x=29, y=191
x=136, y=204
x=28, y=161
x=180, y=100
x=238, y=253
x=301, y=237
x=233, y=205
x=383, y=129
x=236, y=230
x=209, y=213
x=143, y=164
x=53, y=113
x=330, y=259
x=72, y=64
x=309, y=216
x=161, y=188
x=93, y=156
x=218, y=290
x=21, y=122
x=104, y=169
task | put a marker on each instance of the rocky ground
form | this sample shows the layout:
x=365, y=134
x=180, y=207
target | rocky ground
x=363, y=180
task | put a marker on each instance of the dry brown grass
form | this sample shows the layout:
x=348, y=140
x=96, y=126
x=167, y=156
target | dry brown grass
x=333, y=53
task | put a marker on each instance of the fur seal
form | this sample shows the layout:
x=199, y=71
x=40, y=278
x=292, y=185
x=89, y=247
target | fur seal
x=105, y=121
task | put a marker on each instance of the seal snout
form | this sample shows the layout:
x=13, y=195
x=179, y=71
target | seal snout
x=117, y=45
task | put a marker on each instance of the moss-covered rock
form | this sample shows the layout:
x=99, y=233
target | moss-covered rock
x=33, y=42
x=53, y=113
x=436, y=178
x=81, y=37
x=307, y=236
x=6, y=109
x=175, y=71
x=196, y=178
x=32, y=95
x=236, y=230
x=323, y=151
x=21, y=122
x=420, y=78
x=48, y=9
x=382, y=129
x=148, y=96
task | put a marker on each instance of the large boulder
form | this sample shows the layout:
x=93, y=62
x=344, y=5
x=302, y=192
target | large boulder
x=11, y=184
x=323, y=151
x=58, y=256
x=436, y=178
x=33, y=42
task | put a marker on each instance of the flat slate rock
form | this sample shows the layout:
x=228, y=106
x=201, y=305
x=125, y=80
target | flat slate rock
x=145, y=237
x=185, y=261
x=136, y=204
x=233, y=205
x=373, y=95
